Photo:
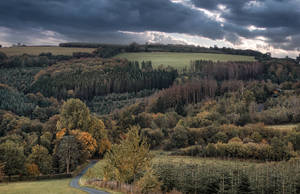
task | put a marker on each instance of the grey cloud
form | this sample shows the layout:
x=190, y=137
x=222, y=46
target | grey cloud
x=100, y=20
x=93, y=17
x=281, y=19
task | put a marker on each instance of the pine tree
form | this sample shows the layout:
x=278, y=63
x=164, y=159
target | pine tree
x=298, y=183
x=244, y=185
x=1, y=171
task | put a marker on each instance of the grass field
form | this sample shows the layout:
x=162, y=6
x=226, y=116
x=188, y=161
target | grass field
x=180, y=60
x=287, y=127
x=60, y=186
x=36, y=50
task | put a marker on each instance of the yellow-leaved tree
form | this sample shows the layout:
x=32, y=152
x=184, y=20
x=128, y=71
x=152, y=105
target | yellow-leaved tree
x=130, y=160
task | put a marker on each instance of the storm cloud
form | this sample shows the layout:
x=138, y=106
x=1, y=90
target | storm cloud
x=278, y=22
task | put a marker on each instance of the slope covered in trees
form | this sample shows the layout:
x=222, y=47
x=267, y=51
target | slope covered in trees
x=54, y=117
x=96, y=77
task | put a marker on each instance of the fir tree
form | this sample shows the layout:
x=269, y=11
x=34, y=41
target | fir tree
x=244, y=185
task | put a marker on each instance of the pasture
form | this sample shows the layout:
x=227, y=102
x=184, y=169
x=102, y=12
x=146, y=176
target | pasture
x=59, y=186
x=180, y=60
x=36, y=50
x=286, y=127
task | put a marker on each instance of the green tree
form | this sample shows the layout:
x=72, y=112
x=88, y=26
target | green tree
x=74, y=115
x=2, y=56
x=2, y=171
x=297, y=183
x=129, y=160
x=244, y=185
x=179, y=137
x=41, y=157
x=98, y=131
x=67, y=151
x=46, y=140
x=12, y=155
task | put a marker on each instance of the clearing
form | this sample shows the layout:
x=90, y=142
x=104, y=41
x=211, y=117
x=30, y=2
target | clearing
x=180, y=60
x=286, y=127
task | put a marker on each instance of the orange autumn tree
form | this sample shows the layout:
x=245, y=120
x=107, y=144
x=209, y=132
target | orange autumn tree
x=87, y=142
x=90, y=131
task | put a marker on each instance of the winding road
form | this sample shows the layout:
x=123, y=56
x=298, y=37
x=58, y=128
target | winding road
x=74, y=183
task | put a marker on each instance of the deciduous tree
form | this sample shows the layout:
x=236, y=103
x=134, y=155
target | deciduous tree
x=13, y=156
x=74, y=115
x=67, y=151
x=128, y=161
x=41, y=157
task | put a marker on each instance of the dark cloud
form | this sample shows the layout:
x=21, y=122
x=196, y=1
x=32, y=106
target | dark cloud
x=92, y=17
x=281, y=19
x=101, y=20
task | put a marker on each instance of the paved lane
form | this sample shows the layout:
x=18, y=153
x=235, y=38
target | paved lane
x=74, y=183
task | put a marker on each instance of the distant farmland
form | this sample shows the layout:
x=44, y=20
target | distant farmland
x=180, y=60
x=36, y=50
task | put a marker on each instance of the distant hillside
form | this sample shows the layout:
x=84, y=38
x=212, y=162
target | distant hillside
x=134, y=47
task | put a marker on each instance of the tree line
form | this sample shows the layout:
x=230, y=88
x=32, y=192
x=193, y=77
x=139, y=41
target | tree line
x=134, y=47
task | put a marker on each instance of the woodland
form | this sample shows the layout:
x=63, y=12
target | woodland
x=58, y=111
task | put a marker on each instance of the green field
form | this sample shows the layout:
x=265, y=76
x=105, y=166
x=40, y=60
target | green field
x=180, y=60
x=36, y=50
x=40, y=187
x=286, y=127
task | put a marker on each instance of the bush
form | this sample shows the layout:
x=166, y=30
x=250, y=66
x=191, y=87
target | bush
x=2, y=57
x=179, y=137
x=32, y=169
x=154, y=136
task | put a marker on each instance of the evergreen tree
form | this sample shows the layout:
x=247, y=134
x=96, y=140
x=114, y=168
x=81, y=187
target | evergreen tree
x=298, y=183
x=244, y=185
x=1, y=171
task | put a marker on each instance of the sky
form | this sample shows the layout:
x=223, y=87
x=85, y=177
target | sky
x=264, y=25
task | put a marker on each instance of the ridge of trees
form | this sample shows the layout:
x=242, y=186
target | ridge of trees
x=134, y=47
